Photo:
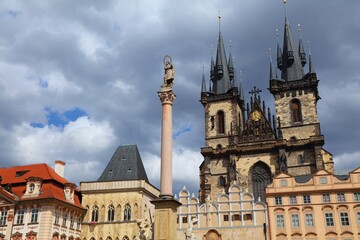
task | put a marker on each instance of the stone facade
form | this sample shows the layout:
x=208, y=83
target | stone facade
x=115, y=209
x=229, y=216
x=322, y=206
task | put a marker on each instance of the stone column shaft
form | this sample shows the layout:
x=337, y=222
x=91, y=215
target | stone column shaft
x=166, y=97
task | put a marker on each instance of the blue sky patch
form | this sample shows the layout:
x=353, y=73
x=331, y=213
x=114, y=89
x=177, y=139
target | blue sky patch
x=13, y=13
x=60, y=119
x=181, y=131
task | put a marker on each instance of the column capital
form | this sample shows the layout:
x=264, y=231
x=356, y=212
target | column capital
x=166, y=96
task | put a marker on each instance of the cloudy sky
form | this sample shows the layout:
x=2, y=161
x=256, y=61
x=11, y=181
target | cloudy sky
x=79, y=78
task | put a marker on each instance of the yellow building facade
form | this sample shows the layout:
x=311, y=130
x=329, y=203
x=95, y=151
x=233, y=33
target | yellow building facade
x=320, y=206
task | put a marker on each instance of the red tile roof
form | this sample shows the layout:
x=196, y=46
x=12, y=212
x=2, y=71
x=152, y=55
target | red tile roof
x=52, y=184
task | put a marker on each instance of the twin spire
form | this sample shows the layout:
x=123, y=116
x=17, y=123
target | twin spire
x=290, y=61
x=222, y=70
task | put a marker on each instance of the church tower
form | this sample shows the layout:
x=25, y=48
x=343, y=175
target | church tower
x=224, y=109
x=245, y=143
x=296, y=96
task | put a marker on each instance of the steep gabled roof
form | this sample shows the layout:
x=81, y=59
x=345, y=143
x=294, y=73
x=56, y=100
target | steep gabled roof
x=125, y=164
x=52, y=184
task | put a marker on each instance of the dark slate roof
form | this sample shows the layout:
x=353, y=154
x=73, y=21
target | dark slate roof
x=342, y=177
x=125, y=164
x=303, y=178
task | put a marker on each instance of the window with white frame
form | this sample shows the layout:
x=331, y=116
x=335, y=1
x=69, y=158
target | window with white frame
x=64, y=220
x=280, y=221
x=329, y=219
x=57, y=217
x=71, y=222
x=31, y=187
x=307, y=199
x=340, y=197
x=78, y=224
x=309, y=219
x=3, y=217
x=357, y=196
x=323, y=180
x=20, y=216
x=34, y=215
x=293, y=200
x=344, y=219
x=278, y=200
x=326, y=198
x=295, y=221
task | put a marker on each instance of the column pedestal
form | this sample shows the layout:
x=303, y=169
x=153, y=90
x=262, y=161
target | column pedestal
x=165, y=219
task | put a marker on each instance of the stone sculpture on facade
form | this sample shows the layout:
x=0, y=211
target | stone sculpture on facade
x=145, y=229
x=189, y=231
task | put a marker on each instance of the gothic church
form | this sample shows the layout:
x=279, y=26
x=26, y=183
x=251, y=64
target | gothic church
x=244, y=142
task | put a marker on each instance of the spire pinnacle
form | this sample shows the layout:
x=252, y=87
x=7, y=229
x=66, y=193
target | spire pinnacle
x=301, y=51
x=219, y=16
x=241, y=89
x=285, y=7
x=271, y=65
x=311, y=65
x=203, y=84
x=279, y=51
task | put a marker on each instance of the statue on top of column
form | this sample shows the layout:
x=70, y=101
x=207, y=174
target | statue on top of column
x=169, y=72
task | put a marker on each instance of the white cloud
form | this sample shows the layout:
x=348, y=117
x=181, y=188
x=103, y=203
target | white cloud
x=80, y=138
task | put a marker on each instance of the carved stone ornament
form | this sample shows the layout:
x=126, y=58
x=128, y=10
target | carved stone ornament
x=167, y=97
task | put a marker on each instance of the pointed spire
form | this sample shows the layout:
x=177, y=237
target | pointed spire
x=302, y=54
x=212, y=68
x=311, y=65
x=271, y=65
x=203, y=84
x=231, y=65
x=291, y=65
x=241, y=88
x=221, y=81
x=279, y=51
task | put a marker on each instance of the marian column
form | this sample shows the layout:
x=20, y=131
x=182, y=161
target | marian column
x=166, y=206
x=167, y=97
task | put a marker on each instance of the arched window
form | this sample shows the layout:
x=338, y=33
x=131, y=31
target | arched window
x=221, y=122
x=296, y=110
x=111, y=213
x=260, y=177
x=222, y=181
x=95, y=214
x=127, y=212
x=125, y=238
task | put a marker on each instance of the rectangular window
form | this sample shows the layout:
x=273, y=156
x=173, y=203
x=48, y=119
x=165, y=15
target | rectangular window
x=306, y=199
x=226, y=218
x=3, y=217
x=344, y=219
x=280, y=221
x=20, y=216
x=184, y=219
x=71, y=221
x=358, y=217
x=293, y=200
x=357, y=197
x=278, y=200
x=295, y=222
x=79, y=224
x=64, y=220
x=341, y=197
x=326, y=198
x=329, y=219
x=309, y=219
x=236, y=217
x=57, y=217
x=34, y=215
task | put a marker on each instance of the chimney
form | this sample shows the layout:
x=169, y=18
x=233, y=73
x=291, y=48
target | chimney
x=59, y=167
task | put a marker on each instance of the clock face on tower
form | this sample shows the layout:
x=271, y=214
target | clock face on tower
x=255, y=115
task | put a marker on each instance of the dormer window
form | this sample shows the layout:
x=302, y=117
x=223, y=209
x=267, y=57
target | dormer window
x=31, y=187
x=69, y=189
